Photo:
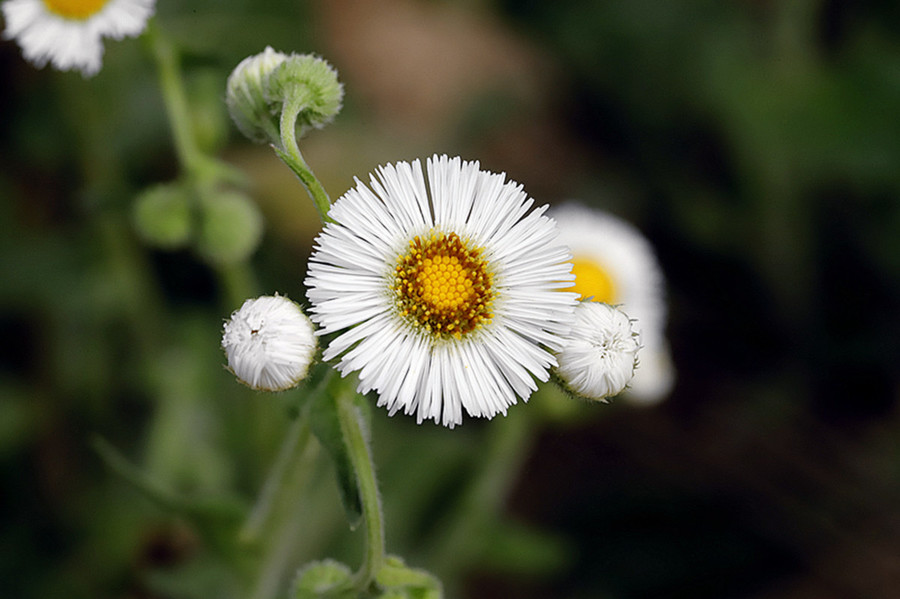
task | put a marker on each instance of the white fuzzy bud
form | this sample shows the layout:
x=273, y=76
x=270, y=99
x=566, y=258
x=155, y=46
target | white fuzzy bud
x=599, y=357
x=270, y=343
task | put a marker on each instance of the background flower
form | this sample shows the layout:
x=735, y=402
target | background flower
x=68, y=33
x=616, y=265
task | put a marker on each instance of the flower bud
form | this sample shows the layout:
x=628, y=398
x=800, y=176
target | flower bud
x=245, y=95
x=599, y=357
x=162, y=216
x=270, y=343
x=230, y=229
x=399, y=581
x=312, y=84
x=326, y=579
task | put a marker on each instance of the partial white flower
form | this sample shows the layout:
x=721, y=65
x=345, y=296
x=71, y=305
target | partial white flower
x=445, y=289
x=615, y=264
x=69, y=33
x=600, y=355
x=270, y=343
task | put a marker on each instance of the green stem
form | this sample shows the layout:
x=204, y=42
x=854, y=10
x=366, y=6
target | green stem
x=202, y=170
x=357, y=442
x=281, y=525
x=175, y=98
x=294, y=444
x=290, y=154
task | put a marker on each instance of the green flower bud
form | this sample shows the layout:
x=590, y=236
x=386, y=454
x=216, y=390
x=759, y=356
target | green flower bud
x=162, y=216
x=309, y=84
x=230, y=229
x=399, y=581
x=326, y=579
x=245, y=95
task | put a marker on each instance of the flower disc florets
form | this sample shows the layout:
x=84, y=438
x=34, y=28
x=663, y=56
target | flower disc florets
x=443, y=285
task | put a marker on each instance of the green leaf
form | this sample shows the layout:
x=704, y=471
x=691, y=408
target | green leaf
x=514, y=548
x=325, y=424
x=220, y=508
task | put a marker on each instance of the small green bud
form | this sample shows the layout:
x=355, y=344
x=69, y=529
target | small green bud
x=326, y=579
x=230, y=229
x=245, y=95
x=310, y=84
x=399, y=581
x=162, y=216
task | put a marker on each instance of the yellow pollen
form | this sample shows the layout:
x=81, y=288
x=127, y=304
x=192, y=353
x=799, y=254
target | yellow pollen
x=75, y=9
x=592, y=280
x=442, y=285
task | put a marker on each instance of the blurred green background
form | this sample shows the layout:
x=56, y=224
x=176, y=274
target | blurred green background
x=756, y=143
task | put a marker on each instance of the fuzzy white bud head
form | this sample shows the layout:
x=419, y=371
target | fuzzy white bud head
x=270, y=343
x=599, y=357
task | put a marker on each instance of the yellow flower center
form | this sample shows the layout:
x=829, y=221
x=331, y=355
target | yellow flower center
x=75, y=9
x=443, y=285
x=591, y=279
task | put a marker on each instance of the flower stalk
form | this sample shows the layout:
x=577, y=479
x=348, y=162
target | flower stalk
x=357, y=444
x=291, y=156
x=294, y=445
x=175, y=98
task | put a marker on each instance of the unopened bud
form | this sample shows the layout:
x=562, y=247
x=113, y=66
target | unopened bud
x=162, y=216
x=310, y=84
x=253, y=113
x=599, y=357
x=270, y=343
x=231, y=227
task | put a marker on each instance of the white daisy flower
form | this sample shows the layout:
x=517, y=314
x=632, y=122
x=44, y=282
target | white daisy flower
x=615, y=264
x=600, y=354
x=68, y=33
x=445, y=289
x=270, y=343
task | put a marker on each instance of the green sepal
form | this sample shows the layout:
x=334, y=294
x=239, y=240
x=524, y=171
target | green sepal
x=309, y=85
